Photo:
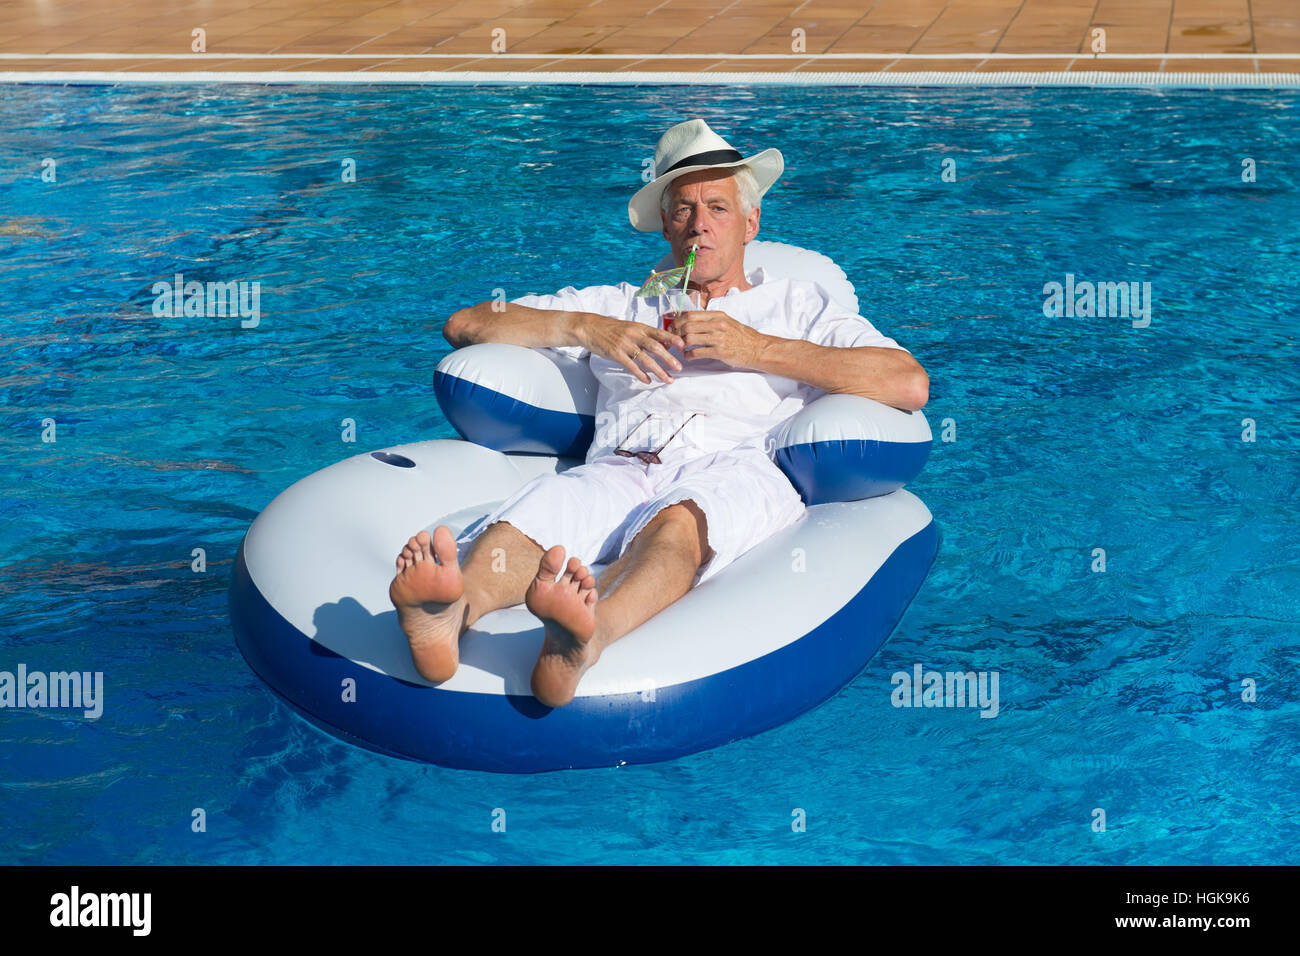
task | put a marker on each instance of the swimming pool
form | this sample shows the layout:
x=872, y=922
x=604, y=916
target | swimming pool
x=1119, y=690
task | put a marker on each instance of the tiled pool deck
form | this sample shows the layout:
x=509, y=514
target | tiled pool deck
x=869, y=37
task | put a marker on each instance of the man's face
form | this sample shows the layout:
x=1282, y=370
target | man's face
x=704, y=208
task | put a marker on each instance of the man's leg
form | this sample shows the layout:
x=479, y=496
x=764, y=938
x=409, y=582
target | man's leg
x=582, y=617
x=720, y=506
x=437, y=600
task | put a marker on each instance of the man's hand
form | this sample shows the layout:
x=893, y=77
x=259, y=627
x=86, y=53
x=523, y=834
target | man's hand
x=638, y=348
x=715, y=335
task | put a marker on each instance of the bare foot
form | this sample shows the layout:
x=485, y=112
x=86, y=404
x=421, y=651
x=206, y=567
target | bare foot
x=430, y=599
x=566, y=608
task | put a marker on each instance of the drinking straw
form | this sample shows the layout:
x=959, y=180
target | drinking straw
x=690, y=264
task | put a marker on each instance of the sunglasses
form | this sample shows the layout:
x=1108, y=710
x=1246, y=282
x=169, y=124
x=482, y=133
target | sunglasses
x=648, y=457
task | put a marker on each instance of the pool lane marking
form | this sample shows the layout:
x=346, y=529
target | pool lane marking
x=1083, y=78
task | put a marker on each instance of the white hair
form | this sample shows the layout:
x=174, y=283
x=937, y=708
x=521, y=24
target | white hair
x=746, y=188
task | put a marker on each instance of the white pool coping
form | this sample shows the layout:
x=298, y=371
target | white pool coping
x=931, y=78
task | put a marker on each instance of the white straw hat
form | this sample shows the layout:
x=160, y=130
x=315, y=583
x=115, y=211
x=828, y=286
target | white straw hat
x=686, y=148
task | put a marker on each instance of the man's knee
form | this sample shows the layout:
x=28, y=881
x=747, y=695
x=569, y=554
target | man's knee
x=684, y=520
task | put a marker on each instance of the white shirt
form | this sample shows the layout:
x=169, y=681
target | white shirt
x=740, y=407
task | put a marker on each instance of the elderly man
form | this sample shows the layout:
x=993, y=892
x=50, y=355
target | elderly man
x=678, y=482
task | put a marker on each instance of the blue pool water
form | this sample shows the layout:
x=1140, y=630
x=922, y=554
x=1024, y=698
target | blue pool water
x=1118, y=690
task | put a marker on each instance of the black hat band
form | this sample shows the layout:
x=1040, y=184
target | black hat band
x=711, y=158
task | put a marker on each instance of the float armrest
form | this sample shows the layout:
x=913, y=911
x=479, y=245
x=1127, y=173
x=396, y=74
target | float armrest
x=845, y=447
x=516, y=399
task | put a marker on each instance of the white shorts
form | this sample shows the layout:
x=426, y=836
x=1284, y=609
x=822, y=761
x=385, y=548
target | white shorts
x=595, y=509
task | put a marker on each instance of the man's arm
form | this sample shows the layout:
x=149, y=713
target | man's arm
x=515, y=325
x=887, y=375
x=641, y=349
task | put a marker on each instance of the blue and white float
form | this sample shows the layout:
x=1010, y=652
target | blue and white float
x=774, y=634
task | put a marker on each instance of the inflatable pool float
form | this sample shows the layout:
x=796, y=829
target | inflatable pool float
x=774, y=634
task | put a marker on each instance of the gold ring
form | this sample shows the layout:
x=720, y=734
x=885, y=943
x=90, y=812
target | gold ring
x=636, y=353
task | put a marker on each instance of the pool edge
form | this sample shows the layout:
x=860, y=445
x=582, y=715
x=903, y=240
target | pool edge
x=933, y=78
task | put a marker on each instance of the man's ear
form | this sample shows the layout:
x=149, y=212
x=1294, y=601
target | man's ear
x=751, y=226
